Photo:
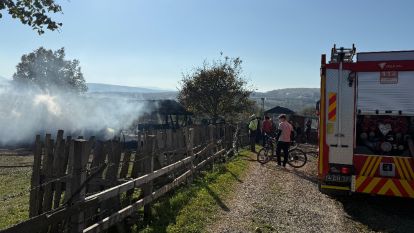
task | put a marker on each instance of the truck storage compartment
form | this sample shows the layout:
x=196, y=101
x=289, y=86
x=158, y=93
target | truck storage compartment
x=384, y=135
x=385, y=93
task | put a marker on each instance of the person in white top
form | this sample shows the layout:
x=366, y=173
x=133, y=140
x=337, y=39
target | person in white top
x=283, y=136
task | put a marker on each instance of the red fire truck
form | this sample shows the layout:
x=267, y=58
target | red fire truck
x=366, y=116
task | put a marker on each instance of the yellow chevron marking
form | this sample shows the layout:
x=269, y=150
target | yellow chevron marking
x=332, y=107
x=397, y=165
x=410, y=169
x=407, y=188
x=367, y=161
x=372, y=185
x=370, y=166
x=359, y=181
x=404, y=169
x=376, y=166
x=390, y=185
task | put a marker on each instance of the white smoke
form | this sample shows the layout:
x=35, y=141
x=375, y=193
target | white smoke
x=27, y=112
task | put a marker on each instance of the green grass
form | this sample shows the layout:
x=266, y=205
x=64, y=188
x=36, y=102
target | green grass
x=192, y=207
x=14, y=194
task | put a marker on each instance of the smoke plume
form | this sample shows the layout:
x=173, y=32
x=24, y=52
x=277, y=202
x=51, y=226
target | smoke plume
x=25, y=112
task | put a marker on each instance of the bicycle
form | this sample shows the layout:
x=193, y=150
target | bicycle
x=297, y=158
x=313, y=153
x=309, y=151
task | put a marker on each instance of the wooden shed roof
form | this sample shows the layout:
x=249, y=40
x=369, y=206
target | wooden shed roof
x=279, y=110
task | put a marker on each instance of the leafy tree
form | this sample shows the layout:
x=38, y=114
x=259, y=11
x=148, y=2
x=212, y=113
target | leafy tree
x=216, y=90
x=48, y=70
x=33, y=13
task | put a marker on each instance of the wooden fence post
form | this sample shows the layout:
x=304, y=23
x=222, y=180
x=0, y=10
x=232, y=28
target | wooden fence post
x=213, y=141
x=35, y=181
x=95, y=184
x=111, y=176
x=189, y=135
x=70, y=153
x=48, y=173
x=137, y=167
x=125, y=164
x=58, y=166
x=197, y=136
x=176, y=145
x=169, y=145
x=98, y=160
x=150, y=148
x=59, y=169
x=114, y=157
x=77, y=192
x=160, y=139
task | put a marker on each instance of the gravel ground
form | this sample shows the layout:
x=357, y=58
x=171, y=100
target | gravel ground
x=273, y=199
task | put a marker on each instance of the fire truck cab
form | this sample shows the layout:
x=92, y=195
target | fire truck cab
x=366, y=117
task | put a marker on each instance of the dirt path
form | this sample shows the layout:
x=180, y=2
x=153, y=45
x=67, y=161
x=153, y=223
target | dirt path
x=272, y=199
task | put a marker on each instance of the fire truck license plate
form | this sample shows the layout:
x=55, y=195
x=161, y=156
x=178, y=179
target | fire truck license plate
x=338, y=178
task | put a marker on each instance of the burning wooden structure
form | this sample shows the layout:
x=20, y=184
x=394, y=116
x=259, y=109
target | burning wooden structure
x=164, y=114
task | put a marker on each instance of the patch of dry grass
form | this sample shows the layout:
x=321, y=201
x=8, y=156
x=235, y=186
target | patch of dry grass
x=14, y=189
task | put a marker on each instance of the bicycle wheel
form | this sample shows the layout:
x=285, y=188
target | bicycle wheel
x=297, y=158
x=264, y=155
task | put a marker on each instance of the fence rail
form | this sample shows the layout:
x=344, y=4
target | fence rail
x=87, y=185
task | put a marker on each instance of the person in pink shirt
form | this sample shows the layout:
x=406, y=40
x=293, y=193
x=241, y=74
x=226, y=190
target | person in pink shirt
x=283, y=136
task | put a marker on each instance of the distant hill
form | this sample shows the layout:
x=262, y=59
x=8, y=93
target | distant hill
x=295, y=99
x=137, y=95
x=100, y=87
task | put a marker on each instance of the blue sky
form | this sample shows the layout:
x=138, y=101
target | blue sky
x=151, y=43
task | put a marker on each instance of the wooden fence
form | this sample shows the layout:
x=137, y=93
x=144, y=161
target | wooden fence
x=90, y=185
